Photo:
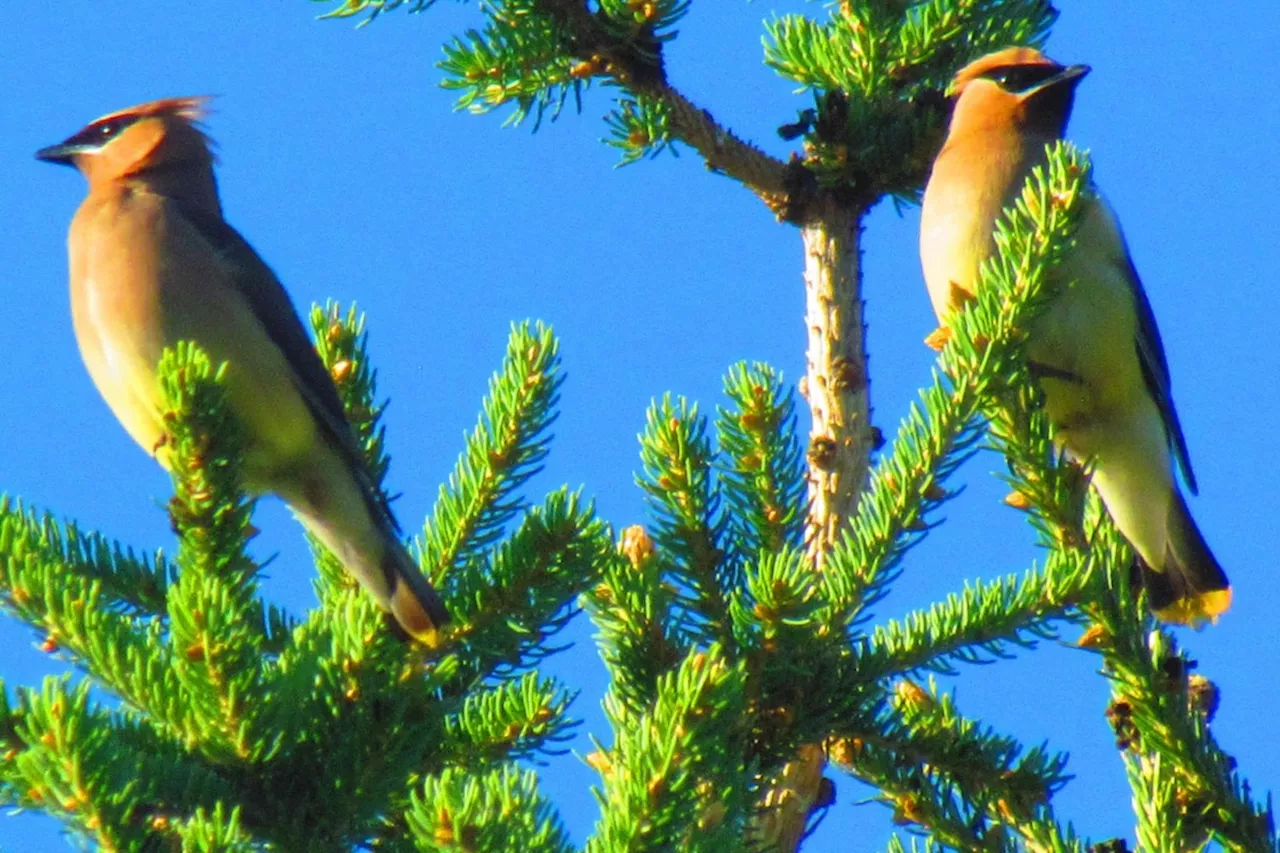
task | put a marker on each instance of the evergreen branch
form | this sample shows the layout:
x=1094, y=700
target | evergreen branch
x=925, y=797
x=346, y=724
x=636, y=65
x=1162, y=825
x=1012, y=787
x=1150, y=710
x=673, y=777
x=878, y=72
x=41, y=563
x=776, y=608
x=1031, y=236
x=786, y=190
x=495, y=812
x=827, y=56
x=520, y=57
x=762, y=471
x=918, y=845
x=906, y=487
x=1041, y=477
x=130, y=660
x=132, y=584
x=1161, y=712
x=109, y=780
x=985, y=778
x=215, y=830
x=683, y=497
x=511, y=720
x=979, y=624
x=801, y=686
x=342, y=344
x=507, y=607
x=217, y=647
x=504, y=450
x=939, y=36
x=350, y=720
x=344, y=654
x=535, y=53
x=639, y=127
x=630, y=608
x=985, y=339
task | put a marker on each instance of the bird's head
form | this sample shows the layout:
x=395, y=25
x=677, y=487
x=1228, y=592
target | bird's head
x=136, y=140
x=1018, y=85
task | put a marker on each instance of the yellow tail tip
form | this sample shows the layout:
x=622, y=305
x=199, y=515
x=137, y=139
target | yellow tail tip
x=937, y=339
x=413, y=618
x=1195, y=610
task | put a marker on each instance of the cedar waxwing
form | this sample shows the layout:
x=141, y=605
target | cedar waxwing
x=152, y=263
x=1096, y=351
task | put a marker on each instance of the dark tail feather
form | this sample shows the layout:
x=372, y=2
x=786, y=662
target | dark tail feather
x=1191, y=588
x=414, y=603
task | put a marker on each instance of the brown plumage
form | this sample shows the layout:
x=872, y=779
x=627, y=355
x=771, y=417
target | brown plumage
x=153, y=262
x=1096, y=350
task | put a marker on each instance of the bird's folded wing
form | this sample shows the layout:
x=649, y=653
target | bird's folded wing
x=271, y=305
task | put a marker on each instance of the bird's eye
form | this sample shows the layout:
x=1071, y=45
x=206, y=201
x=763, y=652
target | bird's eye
x=97, y=135
x=1019, y=78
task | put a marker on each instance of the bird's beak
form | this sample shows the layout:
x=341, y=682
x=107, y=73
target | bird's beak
x=1069, y=76
x=64, y=153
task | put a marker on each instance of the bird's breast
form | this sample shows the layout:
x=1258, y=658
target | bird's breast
x=144, y=278
x=969, y=187
x=115, y=309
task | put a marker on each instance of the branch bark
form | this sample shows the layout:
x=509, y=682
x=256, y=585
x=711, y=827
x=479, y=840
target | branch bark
x=835, y=382
x=788, y=189
x=840, y=441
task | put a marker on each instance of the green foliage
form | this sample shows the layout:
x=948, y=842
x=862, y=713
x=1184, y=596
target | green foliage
x=639, y=127
x=763, y=479
x=242, y=728
x=684, y=499
x=731, y=647
x=1160, y=712
x=876, y=70
x=815, y=674
x=485, y=813
x=504, y=450
x=519, y=57
x=665, y=775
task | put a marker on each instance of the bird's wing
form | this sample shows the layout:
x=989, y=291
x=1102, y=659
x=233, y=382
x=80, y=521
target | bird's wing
x=1151, y=357
x=271, y=305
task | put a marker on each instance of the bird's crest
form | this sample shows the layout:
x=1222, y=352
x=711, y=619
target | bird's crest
x=192, y=109
x=134, y=140
x=187, y=111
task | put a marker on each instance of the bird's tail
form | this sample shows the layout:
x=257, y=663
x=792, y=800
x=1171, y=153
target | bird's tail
x=1190, y=588
x=337, y=510
x=414, y=603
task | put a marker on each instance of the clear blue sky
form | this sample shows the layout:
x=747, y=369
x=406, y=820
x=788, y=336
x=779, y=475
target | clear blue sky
x=344, y=165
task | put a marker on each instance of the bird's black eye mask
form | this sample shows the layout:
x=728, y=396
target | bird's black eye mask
x=101, y=132
x=1017, y=79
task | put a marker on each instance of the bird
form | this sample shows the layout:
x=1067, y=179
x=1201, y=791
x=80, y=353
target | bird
x=1096, y=351
x=153, y=262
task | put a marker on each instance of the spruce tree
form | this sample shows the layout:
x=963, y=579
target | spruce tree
x=734, y=623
